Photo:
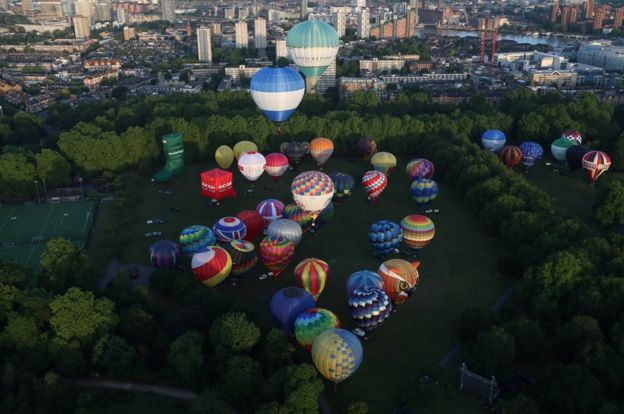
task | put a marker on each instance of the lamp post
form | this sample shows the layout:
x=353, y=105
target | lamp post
x=37, y=187
x=45, y=190
x=81, y=190
x=14, y=220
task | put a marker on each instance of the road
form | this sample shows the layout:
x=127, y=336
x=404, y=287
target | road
x=136, y=387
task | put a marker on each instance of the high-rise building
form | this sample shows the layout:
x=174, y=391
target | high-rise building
x=363, y=24
x=121, y=15
x=168, y=10
x=27, y=7
x=188, y=29
x=204, y=45
x=242, y=34
x=229, y=13
x=129, y=33
x=566, y=14
x=599, y=16
x=339, y=22
x=619, y=17
x=215, y=29
x=303, y=9
x=359, y=3
x=413, y=4
x=327, y=79
x=573, y=15
x=4, y=5
x=81, y=27
x=104, y=11
x=260, y=36
x=85, y=9
x=588, y=9
x=280, y=49
x=554, y=11
x=243, y=13
x=67, y=8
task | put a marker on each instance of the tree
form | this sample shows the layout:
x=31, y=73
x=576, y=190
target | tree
x=362, y=102
x=234, y=332
x=65, y=265
x=529, y=338
x=120, y=92
x=137, y=326
x=78, y=315
x=518, y=404
x=209, y=402
x=610, y=201
x=186, y=355
x=53, y=167
x=22, y=331
x=358, y=407
x=17, y=174
x=492, y=353
x=282, y=62
x=277, y=349
x=240, y=379
x=302, y=388
x=568, y=389
x=113, y=356
x=58, y=393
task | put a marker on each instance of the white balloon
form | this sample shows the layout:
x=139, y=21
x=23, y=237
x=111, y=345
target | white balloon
x=251, y=165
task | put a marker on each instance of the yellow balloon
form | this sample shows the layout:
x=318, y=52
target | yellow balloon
x=336, y=354
x=224, y=156
x=242, y=147
x=384, y=162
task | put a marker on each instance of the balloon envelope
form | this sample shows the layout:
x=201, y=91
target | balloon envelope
x=270, y=210
x=374, y=183
x=254, y=223
x=362, y=279
x=572, y=135
x=418, y=231
x=251, y=165
x=531, y=153
x=288, y=303
x=337, y=354
x=510, y=155
x=384, y=162
x=288, y=229
x=164, y=254
x=385, y=236
x=276, y=252
x=228, y=229
x=311, y=274
x=423, y=191
x=366, y=147
x=595, y=163
x=574, y=156
x=224, y=156
x=559, y=147
x=321, y=149
x=242, y=147
x=493, y=140
x=343, y=184
x=194, y=238
x=276, y=165
x=243, y=254
x=295, y=151
x=369, y=307
x=400, y=278
x=293, y=212
x=211, y=265
x=419, y=168
x=277, y=92
x=310, y=323
x=312, y=191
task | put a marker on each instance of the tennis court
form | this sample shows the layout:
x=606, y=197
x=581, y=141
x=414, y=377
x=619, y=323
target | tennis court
x=24, y=229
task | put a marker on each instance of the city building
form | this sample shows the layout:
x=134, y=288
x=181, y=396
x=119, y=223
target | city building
x=618, y=18
x=27, y=7
x=260, y=35
x=129, y=33
x=426, y=78
x=602, y=53
x=280, y=49
x=566, y=15
x=229, y=13
x=339, y=22
x=558, y=78
x=168, y=10
x=359, y=3
x=588, y=9
x=243, y=12
x=4, y=5
x=554, y=11
x=204, y=45
x=104, y=11
x=363, y=24
x=327, y=79
x=242, y=34
x=81, y=27
x=85, y=8
x=375, y=65
x=599, y=16
x=303, y=9
x=99, y=65
x=413, y=4
x=239, y=72
x=121, y=16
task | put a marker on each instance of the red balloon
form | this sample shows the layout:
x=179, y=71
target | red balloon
x=254, y=222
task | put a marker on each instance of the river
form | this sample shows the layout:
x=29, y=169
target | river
x=519, y=38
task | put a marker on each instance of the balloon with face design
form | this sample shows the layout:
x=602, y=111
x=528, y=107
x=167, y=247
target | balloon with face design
x=400, y=278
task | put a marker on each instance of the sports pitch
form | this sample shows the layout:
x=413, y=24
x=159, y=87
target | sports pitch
x=24, y=229
x=458, y=271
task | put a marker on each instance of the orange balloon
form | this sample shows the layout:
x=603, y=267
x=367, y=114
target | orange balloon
x=321, y=149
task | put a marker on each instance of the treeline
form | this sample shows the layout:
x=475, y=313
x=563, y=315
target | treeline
x=19, y=171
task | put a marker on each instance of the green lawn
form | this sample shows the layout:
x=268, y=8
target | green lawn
x=457, y=271
x=121, y=402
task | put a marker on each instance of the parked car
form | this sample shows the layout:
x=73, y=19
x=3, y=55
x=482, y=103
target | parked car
x=154, y=221
x=151, y=234
x=359, y=332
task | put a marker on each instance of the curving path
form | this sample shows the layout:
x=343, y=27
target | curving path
x=137, y=387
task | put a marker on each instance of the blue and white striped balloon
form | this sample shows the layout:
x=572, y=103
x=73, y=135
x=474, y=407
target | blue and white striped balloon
x=277, y=92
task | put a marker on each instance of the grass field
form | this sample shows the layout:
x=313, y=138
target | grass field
x=458, y=271
x=121, y=402
x=21, y=223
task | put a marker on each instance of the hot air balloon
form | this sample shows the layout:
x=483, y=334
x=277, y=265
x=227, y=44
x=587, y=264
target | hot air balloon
x=312, y=45
x=228, y=229
x=242, y=147
x=363, y=279
x=276, y=165
x=493, y=140
x=276, y=252
x=224, y=156
x=595, y=163
x=418, y=231
x=531, y=153
x=326, y=214
x=217, y=184
x=293, y=212
x=419, y=168
x=243, y=254
x=574, y=156
x=384, y=162
x=385, y=236
x=312, y=191
x=366, y=147
x=251, y=165
x=311, y=274
x=510, y=155
x=254, y=223
x=288, y=303
x=294, y=151
x=270, y=210
x=288, y=229
x=194, y=238
x=559, y=147
x=400, y=278
x=374, y=183
x=321, y=149
x=337, y=354
x=277, y=92
x=369, y=307
x=211, y=265
x=343, y=184
x=572, y=135
x=164, y=254
x=423, y=191
x=309, y=324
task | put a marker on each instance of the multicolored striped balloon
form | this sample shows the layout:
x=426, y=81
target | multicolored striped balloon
x=270, y=210
x=211, y=265
x=243, y=254
x=311, y=274
x=595, y=163
x=312, y=191
x=418, y=231
x=229, y=228
x=369, y=307
x=362, y=279
x=374, y=183
x=194, y=238
x=276, y=165
x=419, y=168
x=312, y=323
x=276, y=252
x=337, y=354
x=510, y=155
x=424, y=191
x=164, y=254
x=321, y=149
x=293, y=212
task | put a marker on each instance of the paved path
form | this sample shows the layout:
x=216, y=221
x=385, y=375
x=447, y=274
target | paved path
x=114, y=267
x=133, y=386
